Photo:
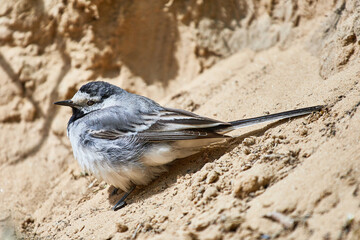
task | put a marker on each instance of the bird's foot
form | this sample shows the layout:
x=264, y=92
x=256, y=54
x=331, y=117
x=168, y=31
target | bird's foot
x=114, y=192
x=121, y=203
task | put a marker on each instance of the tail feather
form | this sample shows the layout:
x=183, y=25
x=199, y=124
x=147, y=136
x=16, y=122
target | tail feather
x=271, y=117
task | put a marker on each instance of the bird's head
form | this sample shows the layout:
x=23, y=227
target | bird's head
x=94, y=96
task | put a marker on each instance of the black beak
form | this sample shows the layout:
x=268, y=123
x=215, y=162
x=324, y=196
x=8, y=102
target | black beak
x=68, y=103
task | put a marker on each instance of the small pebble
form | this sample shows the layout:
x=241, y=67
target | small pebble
x=202, y=176
x=201, y=189
x=303, y=132
x=200, y=225
x=249, y=141
x=212, y=177
x=246, y=150
x=121, y=227
x=210, y=192
x=232, y=223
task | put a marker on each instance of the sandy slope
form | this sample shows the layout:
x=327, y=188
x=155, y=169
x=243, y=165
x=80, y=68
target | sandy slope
x=305, y=170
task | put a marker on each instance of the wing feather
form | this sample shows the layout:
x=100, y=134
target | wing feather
x=165, y=125
x=151, y=136
x=175, y=119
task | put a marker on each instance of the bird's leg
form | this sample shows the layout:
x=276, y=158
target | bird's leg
x=114, y=191
x=121, y=203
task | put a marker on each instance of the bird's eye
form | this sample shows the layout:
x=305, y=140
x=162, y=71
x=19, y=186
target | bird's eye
x=90, y=102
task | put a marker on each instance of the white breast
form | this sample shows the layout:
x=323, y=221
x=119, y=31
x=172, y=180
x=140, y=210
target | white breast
x=94, y=163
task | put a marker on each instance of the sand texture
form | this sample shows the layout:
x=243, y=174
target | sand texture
x=294, y=179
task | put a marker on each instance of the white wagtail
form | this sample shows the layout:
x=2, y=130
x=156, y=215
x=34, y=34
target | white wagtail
x=126, y=139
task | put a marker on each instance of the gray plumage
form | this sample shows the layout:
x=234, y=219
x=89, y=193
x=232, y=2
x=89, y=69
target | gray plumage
x=127, y=139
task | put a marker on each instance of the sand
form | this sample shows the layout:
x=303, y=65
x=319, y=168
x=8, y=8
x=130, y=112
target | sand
x=293, y=179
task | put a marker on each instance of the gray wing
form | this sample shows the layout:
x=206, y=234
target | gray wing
x=151, y=136
x=163, y=124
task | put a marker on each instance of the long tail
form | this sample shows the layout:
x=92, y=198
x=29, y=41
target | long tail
x=271, y=117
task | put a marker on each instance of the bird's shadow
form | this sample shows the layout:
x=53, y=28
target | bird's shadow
x=188, y=165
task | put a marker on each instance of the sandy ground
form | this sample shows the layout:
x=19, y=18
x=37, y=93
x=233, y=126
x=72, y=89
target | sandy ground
x=295, y=179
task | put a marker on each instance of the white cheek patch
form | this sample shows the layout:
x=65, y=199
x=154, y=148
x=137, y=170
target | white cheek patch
x=82, y=97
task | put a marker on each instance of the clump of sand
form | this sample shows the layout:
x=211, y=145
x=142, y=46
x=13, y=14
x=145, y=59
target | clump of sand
x=295, y=179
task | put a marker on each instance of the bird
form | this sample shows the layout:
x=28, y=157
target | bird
x=127, y=140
